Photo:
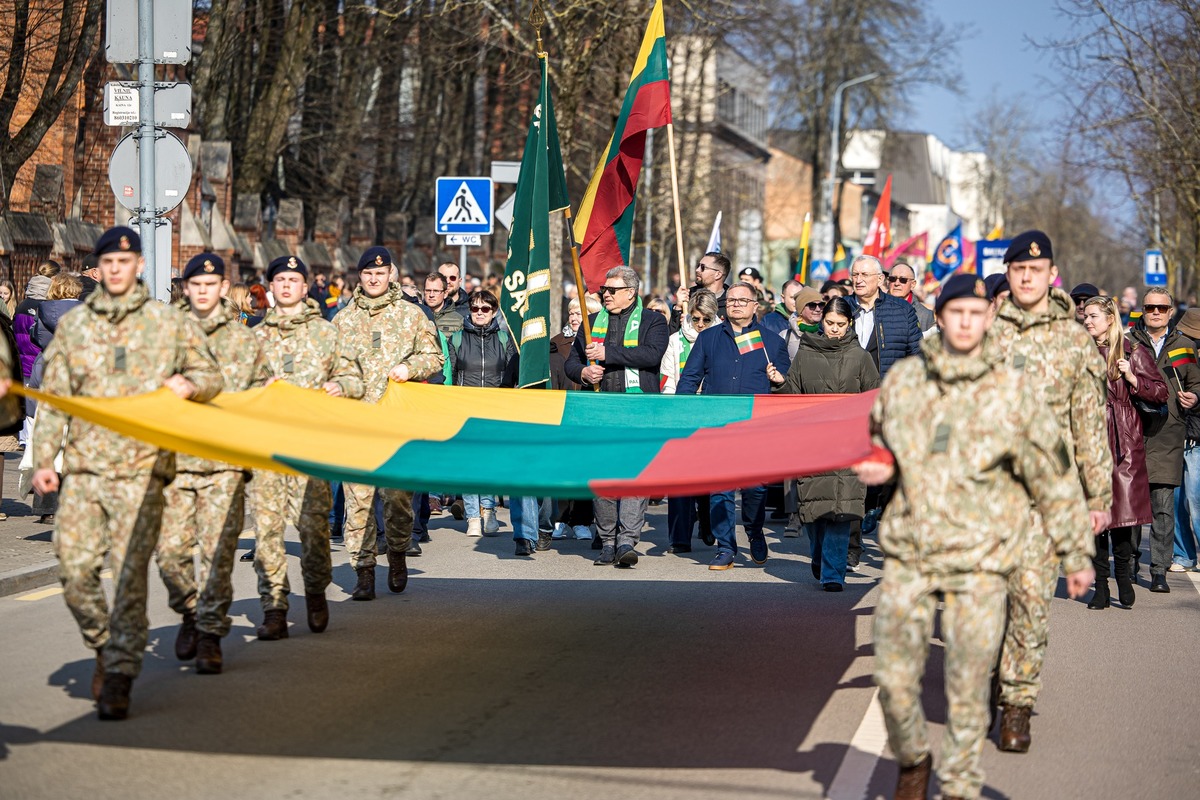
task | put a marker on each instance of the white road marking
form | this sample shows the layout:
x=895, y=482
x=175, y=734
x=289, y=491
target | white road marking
x=853, y=777
x=1194, y=577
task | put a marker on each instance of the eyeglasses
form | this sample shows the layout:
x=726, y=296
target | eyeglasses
x=814, y=306
x=612, y=289
x=435, y=291
x=897, y=279
x=702, y=267
x=481, y=309
x=449, y=278
x=700, y=320
x=864, y=274
x=1156, y=309
x=739, y=301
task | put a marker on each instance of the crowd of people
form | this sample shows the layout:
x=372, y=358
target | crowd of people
x=1021, y=430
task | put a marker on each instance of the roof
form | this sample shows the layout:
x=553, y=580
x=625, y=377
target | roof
x=26, y=228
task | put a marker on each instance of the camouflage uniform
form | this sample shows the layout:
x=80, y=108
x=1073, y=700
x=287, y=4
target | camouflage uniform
x=306, y=351
x=112, y=493
x=206, y=502
x=384, y=332
x=954, y=529
x=1065, y=371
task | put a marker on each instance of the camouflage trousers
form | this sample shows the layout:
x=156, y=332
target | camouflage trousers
x=1030, y=589
x=972, y=628
x=204, y=515
x=306, y=502
x=360, y=530
x=100, y=515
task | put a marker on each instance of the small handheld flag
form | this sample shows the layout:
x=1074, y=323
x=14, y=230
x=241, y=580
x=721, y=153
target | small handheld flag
x=749, y=341
x=1181, y=357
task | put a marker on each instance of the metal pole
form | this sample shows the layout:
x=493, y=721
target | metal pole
x=834, y=157
x=145, y=136
x=648, y=168
x=462, y=266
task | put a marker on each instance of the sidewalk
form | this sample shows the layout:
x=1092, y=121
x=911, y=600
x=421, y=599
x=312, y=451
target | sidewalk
x=26, y=553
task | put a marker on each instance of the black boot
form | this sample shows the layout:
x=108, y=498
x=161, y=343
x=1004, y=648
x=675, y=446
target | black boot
x=318, y=612
x=185, y=640
x=365, y=588
x=274, y=625
x=114, y=697
x=1100, y=598
x=397, y=572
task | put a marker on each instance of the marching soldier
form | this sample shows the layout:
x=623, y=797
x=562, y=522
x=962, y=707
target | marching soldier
x=117, y=344
x=1038, y=334
x=392, y=340
x=302, y=348
x=206, y=502
x=985, y=449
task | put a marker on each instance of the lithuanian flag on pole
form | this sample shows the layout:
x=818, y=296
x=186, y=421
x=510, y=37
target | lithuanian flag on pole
x=1181, y=357
x=604, y=225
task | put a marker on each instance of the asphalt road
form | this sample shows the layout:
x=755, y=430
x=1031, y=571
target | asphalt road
x=499, y=677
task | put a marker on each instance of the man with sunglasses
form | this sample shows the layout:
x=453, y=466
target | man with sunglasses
x=886, y=326
x=623, y=356
x=1176, y=358
x=1038, y=336
x=900, y=283
x=711, y=272
x=456, y=296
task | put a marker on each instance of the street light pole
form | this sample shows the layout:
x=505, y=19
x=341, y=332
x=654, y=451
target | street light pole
x=834, y=157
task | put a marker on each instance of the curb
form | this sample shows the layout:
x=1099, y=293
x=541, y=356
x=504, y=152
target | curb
x=26, y=578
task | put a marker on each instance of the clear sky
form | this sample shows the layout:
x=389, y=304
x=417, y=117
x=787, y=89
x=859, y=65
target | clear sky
x=995, y=61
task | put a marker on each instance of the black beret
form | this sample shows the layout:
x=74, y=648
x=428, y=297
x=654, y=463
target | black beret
x=752, y=272
x=1084, y=290
x=118, y=240
x=961, y=286
x=1028, y=246
x=204, y=264
x=286, y=264
x=996, y=284
x=375, y=257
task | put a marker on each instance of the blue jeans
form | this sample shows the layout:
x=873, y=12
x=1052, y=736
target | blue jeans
x=473, y=504
x=830, y=542
x=723, y=511
x=1187, y=497
x=547, y=513
x=524, y=513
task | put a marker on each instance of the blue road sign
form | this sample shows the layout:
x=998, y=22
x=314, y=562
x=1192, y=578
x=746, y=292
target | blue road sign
x=464, y=205
x=1154, y=269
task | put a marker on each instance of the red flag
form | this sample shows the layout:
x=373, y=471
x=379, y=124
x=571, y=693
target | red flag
x=879, y=235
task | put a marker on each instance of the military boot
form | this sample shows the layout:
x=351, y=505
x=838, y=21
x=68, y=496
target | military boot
x=397, y=572
x=1014, y=729
x=98, y=675
x=274, y=625
x=185, y=640
x=208, y=654
x=365, y=588
x=114, y=696
x=318, y=612
x=913, y=783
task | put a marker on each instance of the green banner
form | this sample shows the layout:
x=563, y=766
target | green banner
x=541, y=190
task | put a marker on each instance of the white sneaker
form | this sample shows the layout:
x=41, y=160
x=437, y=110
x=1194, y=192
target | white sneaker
x=474, y=526
x=1177, y=568
x=491, y=525
x=560, y=531
x=583, y=532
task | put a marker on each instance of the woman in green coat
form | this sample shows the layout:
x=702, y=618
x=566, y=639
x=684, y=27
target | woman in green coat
x=831, y=362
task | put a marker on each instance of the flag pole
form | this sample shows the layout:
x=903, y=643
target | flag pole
x=675, y=203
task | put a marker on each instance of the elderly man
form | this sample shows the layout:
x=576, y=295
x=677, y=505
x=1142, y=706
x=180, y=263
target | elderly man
x=900, y=283
x=735, y=357
x=1176, y=358
x=886, y=326
x=623, y=355
x=711, y=272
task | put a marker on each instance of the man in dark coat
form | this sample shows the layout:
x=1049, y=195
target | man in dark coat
x=711, y=273
x=900, y=283
x=617, y=362
x=886, y=326
x=736, y=357
x=1176, y=358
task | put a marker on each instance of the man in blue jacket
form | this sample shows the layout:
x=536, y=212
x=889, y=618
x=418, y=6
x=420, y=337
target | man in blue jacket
x=736, y=357
x=886, y=326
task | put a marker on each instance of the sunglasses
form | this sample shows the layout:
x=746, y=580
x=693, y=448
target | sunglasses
x=482, y=309
x=611, y=289
x=701, y=320
x=898, y=279
x=814, y=305
x=448, y=278
x=1156, y=309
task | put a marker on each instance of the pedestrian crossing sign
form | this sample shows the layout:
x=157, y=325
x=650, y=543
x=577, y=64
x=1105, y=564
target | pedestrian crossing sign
x=464, y=205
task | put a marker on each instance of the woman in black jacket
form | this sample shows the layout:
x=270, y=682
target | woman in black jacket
x=482, y=354
x=832, y=363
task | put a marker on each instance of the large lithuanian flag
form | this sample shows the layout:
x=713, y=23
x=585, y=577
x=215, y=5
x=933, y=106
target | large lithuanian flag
x=604, y=225
x=503, y=441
